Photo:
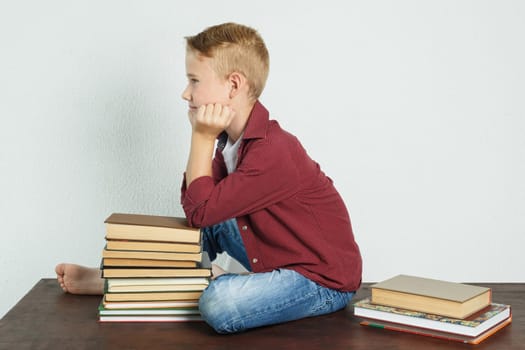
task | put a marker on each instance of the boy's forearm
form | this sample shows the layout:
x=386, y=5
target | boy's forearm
x=200, y=158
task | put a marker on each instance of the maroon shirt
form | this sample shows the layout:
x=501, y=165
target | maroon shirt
x=288, y=212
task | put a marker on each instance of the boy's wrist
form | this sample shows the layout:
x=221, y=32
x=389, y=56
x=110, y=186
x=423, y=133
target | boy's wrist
x=203, y=137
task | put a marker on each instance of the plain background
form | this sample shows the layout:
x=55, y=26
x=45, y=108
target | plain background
x=414, y=108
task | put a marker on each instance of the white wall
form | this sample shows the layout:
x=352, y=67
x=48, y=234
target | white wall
x=414, y=108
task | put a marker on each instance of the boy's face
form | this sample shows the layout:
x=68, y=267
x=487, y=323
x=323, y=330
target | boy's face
x=204, y=85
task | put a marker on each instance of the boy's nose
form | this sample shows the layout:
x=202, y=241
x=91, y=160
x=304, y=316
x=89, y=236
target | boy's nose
x=186, y=94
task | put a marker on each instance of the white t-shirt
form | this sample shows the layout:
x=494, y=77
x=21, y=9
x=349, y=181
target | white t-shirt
x=230, y=154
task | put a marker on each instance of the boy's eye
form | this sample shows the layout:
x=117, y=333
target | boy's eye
x=193, y=80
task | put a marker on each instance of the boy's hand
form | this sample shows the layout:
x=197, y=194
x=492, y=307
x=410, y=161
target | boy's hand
x=207, y=122
x=210, y=120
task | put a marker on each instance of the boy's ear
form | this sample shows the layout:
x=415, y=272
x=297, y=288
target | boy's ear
x=237, y=82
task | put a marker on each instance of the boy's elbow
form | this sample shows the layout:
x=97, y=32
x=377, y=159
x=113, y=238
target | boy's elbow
x=192, y=222
x=194, y=217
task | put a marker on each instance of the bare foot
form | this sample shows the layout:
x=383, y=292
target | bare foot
x=77, y=279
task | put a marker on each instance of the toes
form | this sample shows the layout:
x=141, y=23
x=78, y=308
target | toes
x=60, y=269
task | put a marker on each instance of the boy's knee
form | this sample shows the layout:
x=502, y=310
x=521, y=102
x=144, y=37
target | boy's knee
x=218, y=309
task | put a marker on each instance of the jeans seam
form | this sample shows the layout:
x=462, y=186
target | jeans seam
x=255, y=315
x=309, y=299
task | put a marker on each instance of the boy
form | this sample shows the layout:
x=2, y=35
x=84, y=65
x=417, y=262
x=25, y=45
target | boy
x=261, y=198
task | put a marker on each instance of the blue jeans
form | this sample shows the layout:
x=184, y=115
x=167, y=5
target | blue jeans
x=234, y=303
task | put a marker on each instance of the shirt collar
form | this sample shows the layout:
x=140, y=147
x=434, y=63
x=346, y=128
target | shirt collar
x=256, y=127
x=257, y=124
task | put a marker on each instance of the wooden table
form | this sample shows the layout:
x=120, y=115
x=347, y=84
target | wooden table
x=47, y=318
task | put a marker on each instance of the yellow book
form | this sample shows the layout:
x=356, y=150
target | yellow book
x=444, y=298
x=150, y=228
x=153, y=246
x=154, y=272
x=153, y=296
x=112, y=262
x=124, y=254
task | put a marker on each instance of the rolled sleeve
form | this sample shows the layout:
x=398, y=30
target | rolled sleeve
x=194, y=199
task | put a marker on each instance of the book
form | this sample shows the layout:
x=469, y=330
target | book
x=152, y=246
x=451, y=299
x=123, y=254
x=437, y=334
x=151, y=318
x=112, y=282
x=164, y=314
x=102, y=310
x=157, y=296
x=472, y=326
x=164, y=304
x=157, y=288
x=203, y=270
x=191, y=310
x=187, y=284
x=110, y=262
x=150, y=228
x=150, y=307
x=154, y=272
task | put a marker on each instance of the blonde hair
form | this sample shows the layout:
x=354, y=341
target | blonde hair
x=234, y=48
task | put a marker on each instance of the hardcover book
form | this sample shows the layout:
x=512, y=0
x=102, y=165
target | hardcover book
x=437, y=334
x=153, y=246
x=150, y=318
x=157, y=287
x=123, y=254
x=471, y=326
x=203, y=270
x=157, y=296
x=126, y=282
x=120, y=305
x=154, y=272
x=433, y=296
x=150, y=228
x=110, y=262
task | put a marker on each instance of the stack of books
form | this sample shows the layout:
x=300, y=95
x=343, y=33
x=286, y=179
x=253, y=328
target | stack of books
x=154, y=269
x=435, y=308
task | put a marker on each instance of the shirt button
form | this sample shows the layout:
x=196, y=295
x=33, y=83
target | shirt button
x=254, y=260
x=244, y=228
